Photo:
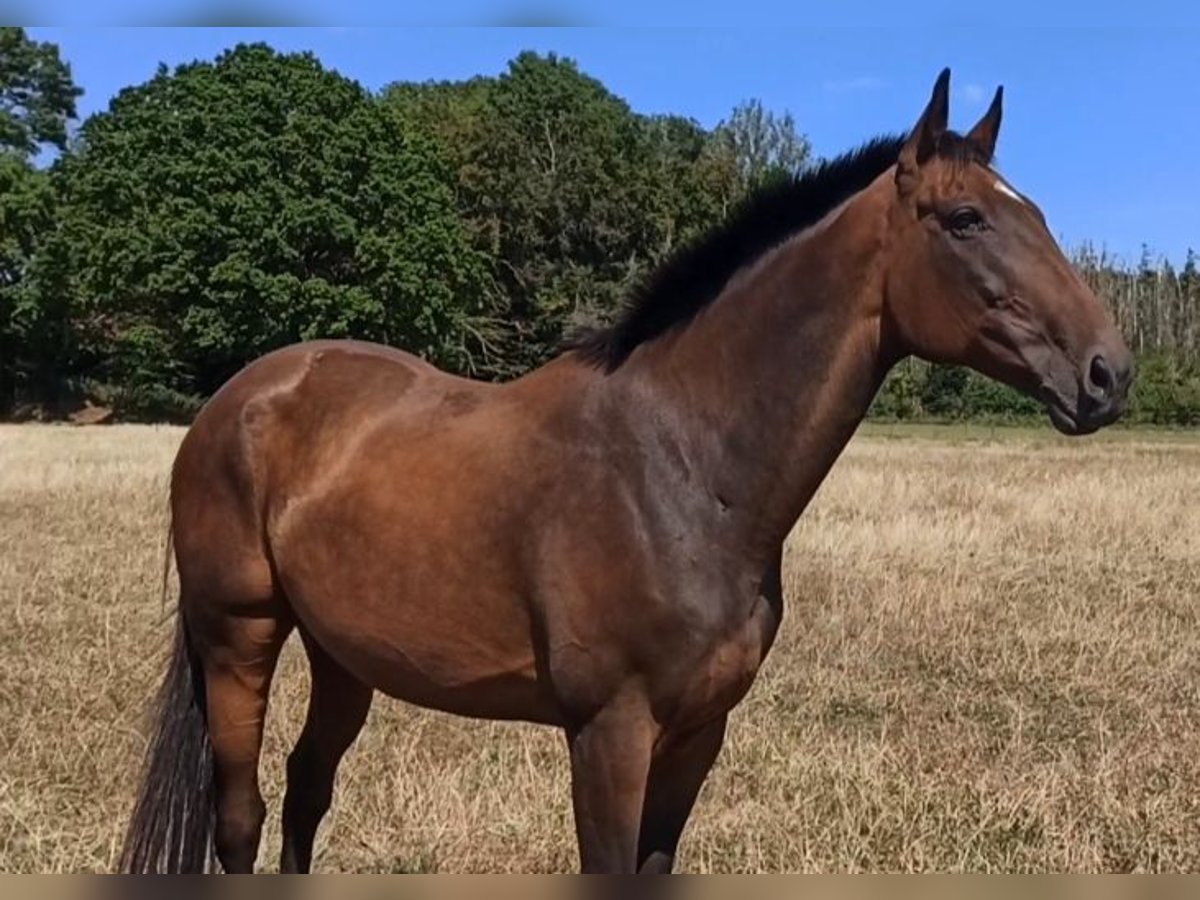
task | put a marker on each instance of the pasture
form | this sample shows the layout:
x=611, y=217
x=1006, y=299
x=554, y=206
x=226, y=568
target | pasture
x=990, y=661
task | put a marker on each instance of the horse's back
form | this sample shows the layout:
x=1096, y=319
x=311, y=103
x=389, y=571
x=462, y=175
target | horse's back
x=300, y=392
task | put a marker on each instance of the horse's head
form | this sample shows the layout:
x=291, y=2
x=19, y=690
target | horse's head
x=975, y=278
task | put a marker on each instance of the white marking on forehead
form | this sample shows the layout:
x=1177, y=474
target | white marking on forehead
x=1003, y=188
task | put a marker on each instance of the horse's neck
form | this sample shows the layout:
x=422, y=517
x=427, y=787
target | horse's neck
x=767, y=385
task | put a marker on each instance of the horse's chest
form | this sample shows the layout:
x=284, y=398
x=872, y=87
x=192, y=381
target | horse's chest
x=723, y=672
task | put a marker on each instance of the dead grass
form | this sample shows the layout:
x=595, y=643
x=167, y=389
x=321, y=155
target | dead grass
x=991, y=661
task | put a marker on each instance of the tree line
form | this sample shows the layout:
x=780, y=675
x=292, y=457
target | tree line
x=227, y=207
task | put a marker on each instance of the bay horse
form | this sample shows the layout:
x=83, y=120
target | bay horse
x=595, y=545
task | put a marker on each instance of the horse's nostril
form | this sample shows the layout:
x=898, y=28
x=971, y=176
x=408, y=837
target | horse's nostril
x=1101, y=376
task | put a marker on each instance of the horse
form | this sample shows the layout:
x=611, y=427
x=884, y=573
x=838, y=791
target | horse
x=596, y=544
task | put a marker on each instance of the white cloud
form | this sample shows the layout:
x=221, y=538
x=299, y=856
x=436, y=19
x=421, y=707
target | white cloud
x=861, y=83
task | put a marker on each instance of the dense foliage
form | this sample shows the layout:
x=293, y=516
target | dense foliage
x=572, y=196
x=37, y=100
x=37, y=94
x=229, y=207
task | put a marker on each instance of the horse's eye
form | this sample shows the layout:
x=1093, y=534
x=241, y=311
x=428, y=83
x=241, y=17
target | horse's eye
x=965, y=221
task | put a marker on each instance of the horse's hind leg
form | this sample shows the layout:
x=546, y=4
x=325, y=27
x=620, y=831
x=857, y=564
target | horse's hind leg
x=337, y=709
x=239, y=654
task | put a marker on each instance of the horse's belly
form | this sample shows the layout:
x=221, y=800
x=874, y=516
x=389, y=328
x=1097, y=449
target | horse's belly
x=433, y=630
x=441, y=672
x=439, y=664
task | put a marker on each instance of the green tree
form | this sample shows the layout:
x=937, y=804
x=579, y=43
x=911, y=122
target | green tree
x=570, y=194
x=683, y=185
x=451, y=113
x=1189, y=274
x=35, y=332
x=37, y=95
x=763, y=145
x=227, y=208
x=555, y=163
x=37, y=101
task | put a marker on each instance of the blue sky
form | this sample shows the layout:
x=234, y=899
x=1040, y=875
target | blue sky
x=1101, y=124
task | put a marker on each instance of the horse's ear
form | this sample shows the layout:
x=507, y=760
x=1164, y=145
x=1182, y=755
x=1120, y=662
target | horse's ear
x=987, y=129
x=922, y=141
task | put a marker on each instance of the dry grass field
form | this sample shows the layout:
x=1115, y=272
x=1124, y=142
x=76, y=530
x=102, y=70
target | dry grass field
x=990, y=662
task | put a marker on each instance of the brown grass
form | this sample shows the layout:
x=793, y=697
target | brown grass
x=991, y=661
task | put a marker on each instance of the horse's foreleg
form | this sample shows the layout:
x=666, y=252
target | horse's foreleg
x=610, y=761
x=676, y=775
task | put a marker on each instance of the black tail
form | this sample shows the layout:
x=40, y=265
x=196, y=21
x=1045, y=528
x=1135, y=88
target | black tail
x=171, y=829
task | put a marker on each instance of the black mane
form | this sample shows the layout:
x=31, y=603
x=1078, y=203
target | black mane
x=691, y=279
